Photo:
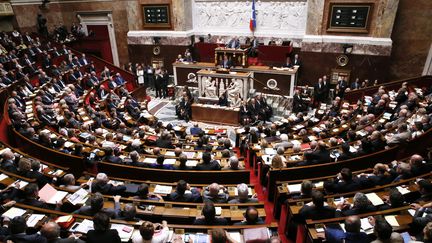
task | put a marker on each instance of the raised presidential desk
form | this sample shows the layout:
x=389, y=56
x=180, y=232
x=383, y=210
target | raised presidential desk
x=215, y=114
x=265, y=79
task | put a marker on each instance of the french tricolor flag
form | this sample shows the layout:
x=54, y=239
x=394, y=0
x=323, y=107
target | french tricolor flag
x=252, y=23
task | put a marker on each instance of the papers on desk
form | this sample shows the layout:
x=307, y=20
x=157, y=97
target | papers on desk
x=34, y=219
x=267, y=159
x=14, y=212
x=403, y=190
x=218, y=211
x=295, y=157
x=79, y=197
x=82, y=227
x=125, y=232
x=352, y=149
x=375, y=199
x=169, y=161
x=50, y=195
x=365, y=225
x=160, y=189
x=169, y=153
x=412, y=212
x=3, y=176
x=236, y=236
x=269, y=151
x=319, y=184
x=387, y=116
x=150, y=160
x=20, y=184
x=294, y=188
x=249, y=191
x=191, y=163
x=391, y=219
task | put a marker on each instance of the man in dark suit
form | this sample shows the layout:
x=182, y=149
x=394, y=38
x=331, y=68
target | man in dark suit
x=102, y=232
x=100, y=184
x=316, y=210
x=18, y=227
x=234, y=43
x=296, y=61
x=180, y=194
x=209, y=216
x=361, y=205
x=344, y=182
x=319, y=91
x=321, y=154
x=96, y=205
x=343, y=85
x=110, y=157
x=208, y=163
x=51, y=231
x=298, y=103
x=356, y=84
x=352, y=234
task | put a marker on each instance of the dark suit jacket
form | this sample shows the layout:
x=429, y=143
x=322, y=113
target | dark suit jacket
x=195, y=196
x=355, y=211
x=110, y=236
x=213, y=165
x=312, y=212
x=108, y=189
x=23, y=238
x=87, y=210
x=216, y=221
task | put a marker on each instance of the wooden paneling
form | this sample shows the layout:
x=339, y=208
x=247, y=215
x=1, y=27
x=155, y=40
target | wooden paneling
x=144, y=54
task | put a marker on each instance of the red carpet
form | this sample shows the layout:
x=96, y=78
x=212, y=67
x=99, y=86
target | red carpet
x=262, y=196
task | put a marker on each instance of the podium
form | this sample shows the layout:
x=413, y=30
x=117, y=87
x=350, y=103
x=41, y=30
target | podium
x=238, y=57
x=212, y=84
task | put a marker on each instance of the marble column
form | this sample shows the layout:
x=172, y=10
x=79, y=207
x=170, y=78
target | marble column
x=315, y=13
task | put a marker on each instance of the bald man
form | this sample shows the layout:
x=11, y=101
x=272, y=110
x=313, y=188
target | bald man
x=51, y=231
x=216, y=193
x=352, y=234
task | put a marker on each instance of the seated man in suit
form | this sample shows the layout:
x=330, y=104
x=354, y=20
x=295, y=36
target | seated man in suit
x=208, y=163
x=31, y=198
x=102, y=231
x=96, y=206
x=251, y=217
x=144, y=194
x=184, y=193
x=316, y=209
x=213, y=193
x=352, y=232
x=402, y=135
x=18, y=227
x=160, y=163
x=209, y=216
x=233, y=164
x=243, y=195
x=344, y=182
x=101, y=184
x=182, y=160
x=51, y=231
x=195, y=130
x=361, y=205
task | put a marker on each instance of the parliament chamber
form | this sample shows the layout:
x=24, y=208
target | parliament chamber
x=215, y=121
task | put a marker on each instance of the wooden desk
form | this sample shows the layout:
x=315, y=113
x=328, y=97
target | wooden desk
x=238, y=57
x=215, y=114
x=186, y=74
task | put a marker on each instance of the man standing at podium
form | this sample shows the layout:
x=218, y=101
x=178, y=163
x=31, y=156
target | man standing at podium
x=234, y=43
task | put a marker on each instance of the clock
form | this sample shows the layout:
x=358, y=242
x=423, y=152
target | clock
x=342, y=60
x=156, y=50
